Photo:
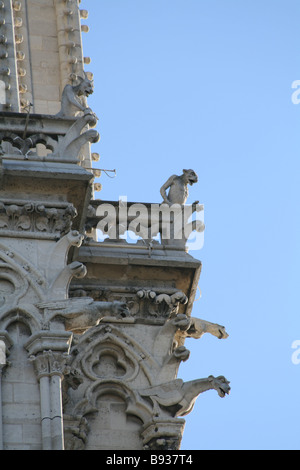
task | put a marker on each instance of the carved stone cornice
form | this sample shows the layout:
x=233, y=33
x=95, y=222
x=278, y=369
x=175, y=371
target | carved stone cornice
x=144, y=303
x=63, y=138
x=161, y=304
x=35, y=219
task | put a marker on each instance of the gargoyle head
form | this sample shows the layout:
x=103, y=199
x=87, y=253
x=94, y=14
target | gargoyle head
x=120, y=309
x=86, y=86
x=221, y=385
x=190, y=176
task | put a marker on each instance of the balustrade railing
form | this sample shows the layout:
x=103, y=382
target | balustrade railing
x=145, y=224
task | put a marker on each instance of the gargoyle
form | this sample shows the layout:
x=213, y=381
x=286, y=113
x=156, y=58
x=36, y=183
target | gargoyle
x=182, y=326
x=179, y=227
x=178, y=398
x=178, y=192
x=80, y=314
x=71, y=103
x=199, y=327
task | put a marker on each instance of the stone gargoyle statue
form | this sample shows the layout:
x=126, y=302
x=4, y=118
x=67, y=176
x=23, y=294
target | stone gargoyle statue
x=178, y=187
x=197, y=328
x=182, y=326
x=71, y=104
x=80, y=314
x=178, y=398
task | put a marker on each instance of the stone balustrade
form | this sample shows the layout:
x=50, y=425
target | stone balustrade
x=146, y=224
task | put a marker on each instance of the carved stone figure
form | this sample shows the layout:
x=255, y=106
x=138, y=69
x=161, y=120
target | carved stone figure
x=186, y=327
x=71, y=103
x=178, y=222
x=178, y=397
x=199, y=327
x=178, y=192
x=84, y=313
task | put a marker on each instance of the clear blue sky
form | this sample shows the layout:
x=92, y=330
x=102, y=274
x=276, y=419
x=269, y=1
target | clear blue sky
x=206, y=84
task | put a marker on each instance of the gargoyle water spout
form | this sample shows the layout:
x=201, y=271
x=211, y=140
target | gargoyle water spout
x=178, y=398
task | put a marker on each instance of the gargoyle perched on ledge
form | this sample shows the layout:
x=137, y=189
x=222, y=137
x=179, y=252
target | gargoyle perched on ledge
x=62, y=135
x=176, y=198
x=71, y=104
x=178, y=192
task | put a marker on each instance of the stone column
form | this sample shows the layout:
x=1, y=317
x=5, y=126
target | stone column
x=2, y=365
x=50, y=368
x=45, y=411
x=49, y=353
x=57, y=367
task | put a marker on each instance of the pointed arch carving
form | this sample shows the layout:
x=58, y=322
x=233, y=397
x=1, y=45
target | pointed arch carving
x=29, y=317
x=12, y=286
x=135, y=406
x=112, y=341
x=26, y=271
x=21, y=286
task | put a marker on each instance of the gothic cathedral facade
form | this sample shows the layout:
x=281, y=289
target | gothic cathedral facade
x=91, y=332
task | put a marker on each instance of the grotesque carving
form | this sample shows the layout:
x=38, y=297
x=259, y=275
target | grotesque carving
x=179, y=226
x=171, y=337
x=36, y=218
x=81, y=314
x=178, y=192
x=71, y=103
x=178, y=398
x=182, y=326
x=199, y=327
x=75, y=432
x=161, y=304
